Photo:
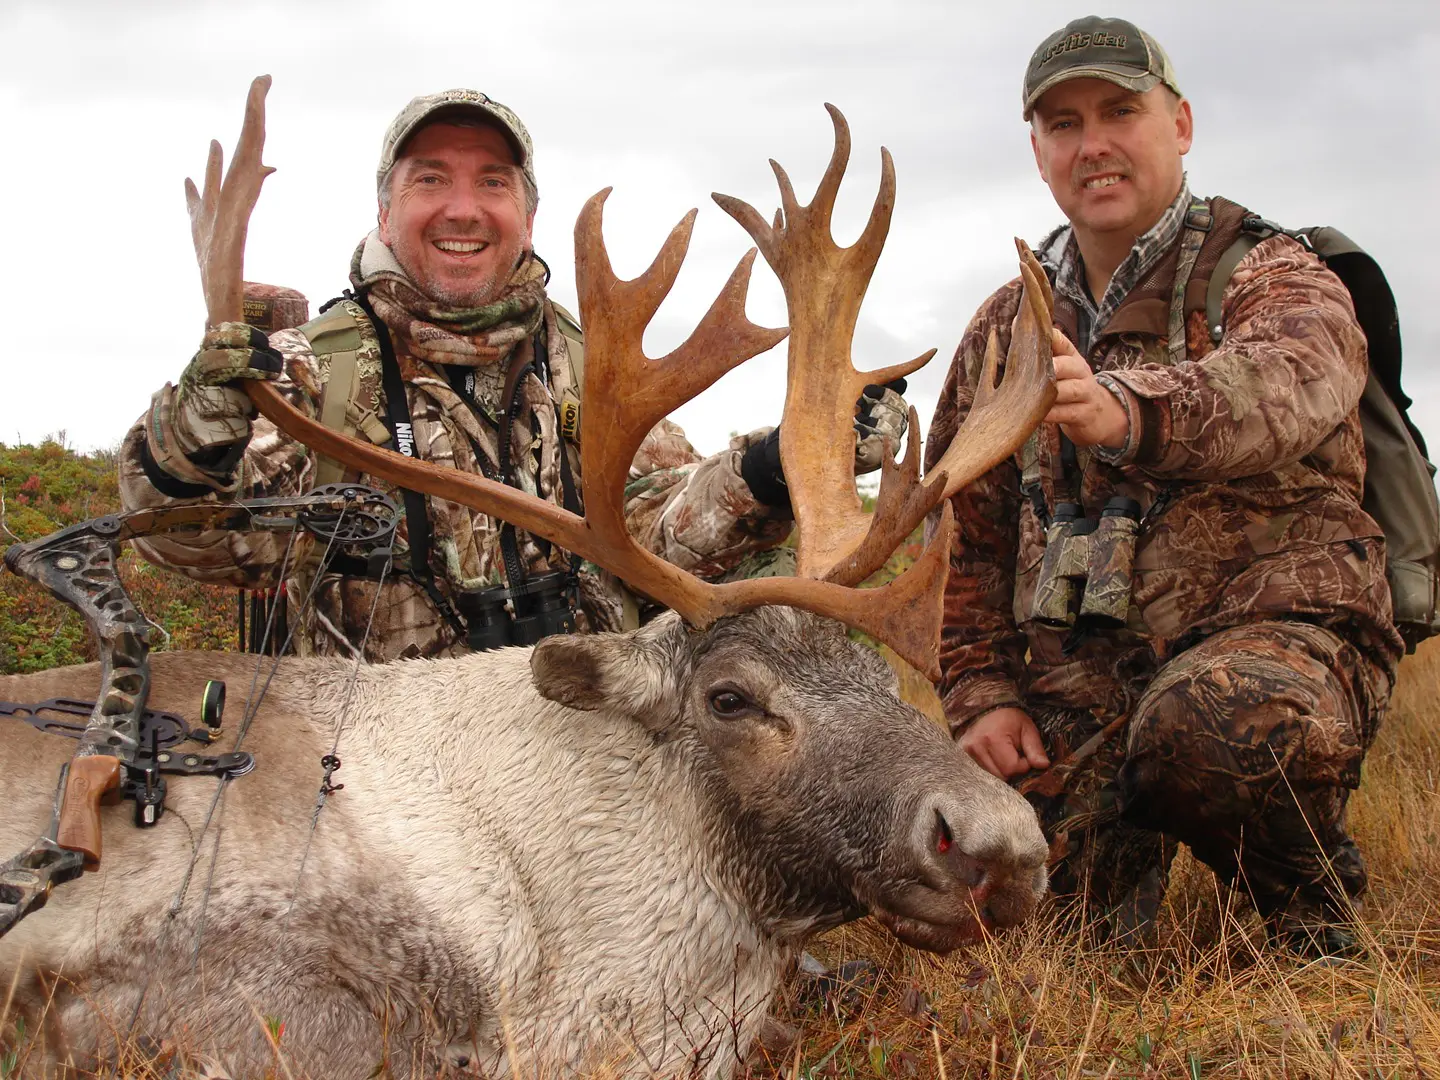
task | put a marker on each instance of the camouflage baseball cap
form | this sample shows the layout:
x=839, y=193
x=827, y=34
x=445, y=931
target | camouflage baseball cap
x=433, y=107
x=1095, y=48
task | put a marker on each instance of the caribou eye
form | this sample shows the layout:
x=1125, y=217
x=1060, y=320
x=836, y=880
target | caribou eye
x=729, y=704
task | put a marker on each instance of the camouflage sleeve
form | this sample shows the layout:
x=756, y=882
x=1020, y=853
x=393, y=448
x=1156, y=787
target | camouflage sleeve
x=695, y=512
x=982, y=651
x=273, y=465
x=1290, y=368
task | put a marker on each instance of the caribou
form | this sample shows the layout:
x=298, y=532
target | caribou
x=597, y=852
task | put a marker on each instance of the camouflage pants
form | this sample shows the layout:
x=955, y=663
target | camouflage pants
x=1245, y=747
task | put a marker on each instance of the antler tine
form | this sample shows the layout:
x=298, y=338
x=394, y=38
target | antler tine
x=822, y=206
x=750, y=220
x=1005, y=411
x=877, y=227
x=202, y=208
x=642, y=295
x=631, y=391
x=900, y=506
x=789, y=204
x=824, y=286
x=220, y=217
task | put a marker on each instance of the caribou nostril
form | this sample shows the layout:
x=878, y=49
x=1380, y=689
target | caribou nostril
x=966, y=869
x=944, y=838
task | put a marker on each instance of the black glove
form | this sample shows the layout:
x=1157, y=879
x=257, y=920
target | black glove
x=761, y=471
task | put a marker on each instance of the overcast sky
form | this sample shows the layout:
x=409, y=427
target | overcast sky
x=1307, y=112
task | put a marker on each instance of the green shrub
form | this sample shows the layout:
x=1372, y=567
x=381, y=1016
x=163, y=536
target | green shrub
x=47, y=487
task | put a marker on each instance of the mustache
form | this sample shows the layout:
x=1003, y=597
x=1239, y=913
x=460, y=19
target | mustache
x=1086, y=169
x=461, y=229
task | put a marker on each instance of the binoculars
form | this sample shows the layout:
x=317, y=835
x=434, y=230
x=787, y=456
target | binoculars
x=538, y=608
x=1085, y=576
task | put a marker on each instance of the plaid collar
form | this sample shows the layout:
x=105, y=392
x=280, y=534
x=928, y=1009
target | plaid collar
x=1062, y=252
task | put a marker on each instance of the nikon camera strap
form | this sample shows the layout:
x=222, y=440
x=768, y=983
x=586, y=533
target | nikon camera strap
x=509, y=546
x=402, y=434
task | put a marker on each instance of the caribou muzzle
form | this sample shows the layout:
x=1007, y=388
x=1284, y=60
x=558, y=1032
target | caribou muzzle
x=976, y=873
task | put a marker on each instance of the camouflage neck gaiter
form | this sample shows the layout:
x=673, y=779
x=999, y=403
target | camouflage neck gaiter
x=465, y=337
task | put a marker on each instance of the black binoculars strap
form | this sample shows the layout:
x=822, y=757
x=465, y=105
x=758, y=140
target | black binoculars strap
x=1065, y=473
x=1068, y=482
x=402, y=437
x=515, y=572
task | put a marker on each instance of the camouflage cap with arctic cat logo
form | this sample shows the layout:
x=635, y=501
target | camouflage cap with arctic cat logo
x=1095, y=48
x=434, y=107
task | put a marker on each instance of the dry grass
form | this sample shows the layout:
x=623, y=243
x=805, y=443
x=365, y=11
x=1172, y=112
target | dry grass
x=1210, y=1001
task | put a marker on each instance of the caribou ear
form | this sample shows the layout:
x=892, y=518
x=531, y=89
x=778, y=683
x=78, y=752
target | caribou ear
x=637, y=674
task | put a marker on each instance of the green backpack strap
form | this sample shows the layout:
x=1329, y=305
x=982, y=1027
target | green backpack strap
x=574, y=342
x=343, y=340
x=568, y=400
x=1220, y=277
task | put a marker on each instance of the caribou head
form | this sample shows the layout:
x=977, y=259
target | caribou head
x=825, y=795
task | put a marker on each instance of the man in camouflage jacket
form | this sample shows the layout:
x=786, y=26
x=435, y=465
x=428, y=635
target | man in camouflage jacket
x=1258, y=652
x=451, y=278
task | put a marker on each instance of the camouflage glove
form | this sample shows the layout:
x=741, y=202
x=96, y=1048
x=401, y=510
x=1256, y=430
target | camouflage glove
x=880, y=415
x=197, y=432
x=208, y=411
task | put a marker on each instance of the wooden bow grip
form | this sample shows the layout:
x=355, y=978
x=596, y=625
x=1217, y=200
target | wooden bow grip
x=91, y=778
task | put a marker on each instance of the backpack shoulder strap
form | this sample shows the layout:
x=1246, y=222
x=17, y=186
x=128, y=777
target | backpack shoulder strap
x=574, y=342
x=1220, y=277
x=568, y=399
x=1375, y=307
x=1198, y=222
x=348, y=357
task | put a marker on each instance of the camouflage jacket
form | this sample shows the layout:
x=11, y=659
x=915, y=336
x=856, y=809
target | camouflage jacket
x=1246, y=458
x=696, y=512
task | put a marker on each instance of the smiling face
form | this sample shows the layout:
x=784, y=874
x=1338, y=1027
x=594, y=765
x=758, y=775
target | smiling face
x=1111, y=157
x=456, y=218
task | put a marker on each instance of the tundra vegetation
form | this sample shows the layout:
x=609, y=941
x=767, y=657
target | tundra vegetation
x=1209, y=1000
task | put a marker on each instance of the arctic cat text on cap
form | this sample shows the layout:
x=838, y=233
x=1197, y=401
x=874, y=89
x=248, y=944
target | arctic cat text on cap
x=1095, y=48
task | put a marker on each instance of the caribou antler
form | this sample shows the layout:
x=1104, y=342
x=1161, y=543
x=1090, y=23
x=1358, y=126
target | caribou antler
x=220, y=218
x=625, y=393
x=824, y=285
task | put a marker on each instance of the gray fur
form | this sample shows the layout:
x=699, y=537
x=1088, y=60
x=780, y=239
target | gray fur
x=506, y=879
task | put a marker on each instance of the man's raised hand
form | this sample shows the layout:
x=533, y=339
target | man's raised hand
x=1086, y=411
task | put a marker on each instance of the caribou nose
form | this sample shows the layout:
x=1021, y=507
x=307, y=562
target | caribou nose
x=956, y=865
x=999, y=858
